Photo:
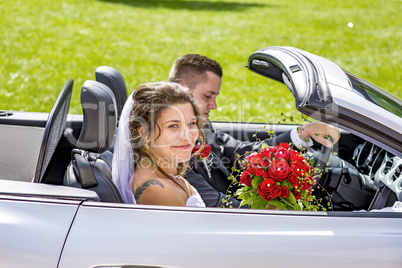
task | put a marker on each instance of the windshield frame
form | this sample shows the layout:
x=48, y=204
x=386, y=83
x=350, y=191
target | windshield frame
x=375, y=95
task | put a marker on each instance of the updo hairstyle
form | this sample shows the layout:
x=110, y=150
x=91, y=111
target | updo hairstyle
x=150, y=100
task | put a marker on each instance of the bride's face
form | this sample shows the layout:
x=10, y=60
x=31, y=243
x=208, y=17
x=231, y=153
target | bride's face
x=174, y=140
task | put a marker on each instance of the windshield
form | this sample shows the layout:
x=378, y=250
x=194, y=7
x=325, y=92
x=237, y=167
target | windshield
x=376, y=95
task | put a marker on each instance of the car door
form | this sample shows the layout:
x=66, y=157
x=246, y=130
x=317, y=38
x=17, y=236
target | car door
x=33, y=230
x=121, y=235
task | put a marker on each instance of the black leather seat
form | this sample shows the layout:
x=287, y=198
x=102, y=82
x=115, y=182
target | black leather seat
x=90, y=166
x=115, y=81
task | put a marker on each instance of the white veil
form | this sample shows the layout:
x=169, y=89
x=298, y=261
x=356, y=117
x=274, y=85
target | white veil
x=123, y=159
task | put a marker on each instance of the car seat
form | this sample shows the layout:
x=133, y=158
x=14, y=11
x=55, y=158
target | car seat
x=90, y=166
x=115, y=81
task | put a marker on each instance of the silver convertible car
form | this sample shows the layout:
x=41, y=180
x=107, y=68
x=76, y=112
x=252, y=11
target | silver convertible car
x=59, y=208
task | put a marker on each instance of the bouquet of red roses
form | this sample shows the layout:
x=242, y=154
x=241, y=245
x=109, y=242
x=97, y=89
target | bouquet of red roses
x=277, y=176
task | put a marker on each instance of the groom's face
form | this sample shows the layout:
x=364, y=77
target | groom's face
x=206, y=91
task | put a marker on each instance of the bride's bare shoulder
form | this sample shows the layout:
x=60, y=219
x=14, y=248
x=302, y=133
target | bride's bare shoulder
x=156, y=191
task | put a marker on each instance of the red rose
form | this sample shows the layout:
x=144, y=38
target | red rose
x=297, y=194
x=284, y=192
x=205, y=151
x=300, y=169
x=245, y=178
x=265, y=174
x=259, y=172
x=251, y=170
x=250, y=156
x=254, y=159
x=279, y=169
x=284, y=145
x=295, y=156
x=267, y=152
x=293, y=179
x=275, y=191
x=281, y=153
x=264, y=189
x=264, y=163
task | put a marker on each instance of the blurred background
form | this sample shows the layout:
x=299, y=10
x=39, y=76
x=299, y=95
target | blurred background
x=45, y=43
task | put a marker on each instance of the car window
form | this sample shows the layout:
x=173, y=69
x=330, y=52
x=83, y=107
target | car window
x=377, y=96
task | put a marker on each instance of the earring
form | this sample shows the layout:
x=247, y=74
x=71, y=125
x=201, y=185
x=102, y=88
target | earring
x=146, y=144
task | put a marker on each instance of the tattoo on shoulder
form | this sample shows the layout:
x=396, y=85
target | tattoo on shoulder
x=144, y=186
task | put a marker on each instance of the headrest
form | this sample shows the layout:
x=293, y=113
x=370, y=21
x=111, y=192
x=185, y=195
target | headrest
x=100, y=117
x=115, y=81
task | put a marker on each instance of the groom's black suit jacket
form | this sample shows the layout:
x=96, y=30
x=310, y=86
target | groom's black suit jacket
x=225, y=150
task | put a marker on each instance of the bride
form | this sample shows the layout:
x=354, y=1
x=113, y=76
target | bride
x=162, y=123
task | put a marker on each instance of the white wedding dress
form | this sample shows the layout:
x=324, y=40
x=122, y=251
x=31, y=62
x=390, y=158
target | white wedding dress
x=123, y=161
x=195, y=200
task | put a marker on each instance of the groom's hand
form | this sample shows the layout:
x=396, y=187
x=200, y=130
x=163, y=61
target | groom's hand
x=318, y=131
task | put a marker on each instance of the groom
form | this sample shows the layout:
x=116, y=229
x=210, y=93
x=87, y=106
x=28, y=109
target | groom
x=203, y=77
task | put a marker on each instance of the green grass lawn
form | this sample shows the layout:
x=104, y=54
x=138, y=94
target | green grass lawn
x=44, y=43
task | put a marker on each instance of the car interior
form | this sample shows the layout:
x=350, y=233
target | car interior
x=76, y=153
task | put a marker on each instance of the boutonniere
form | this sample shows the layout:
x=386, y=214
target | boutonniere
x=204, y=154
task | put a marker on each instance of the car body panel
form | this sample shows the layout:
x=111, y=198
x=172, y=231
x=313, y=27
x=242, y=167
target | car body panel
x=33, y=230
x=152, y=236
x=22, y=133
x=19, y=143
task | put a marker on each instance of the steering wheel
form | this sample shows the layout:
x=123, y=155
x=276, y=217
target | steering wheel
x=321, y=157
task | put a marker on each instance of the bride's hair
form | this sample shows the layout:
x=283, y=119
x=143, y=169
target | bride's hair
x=150, y=100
